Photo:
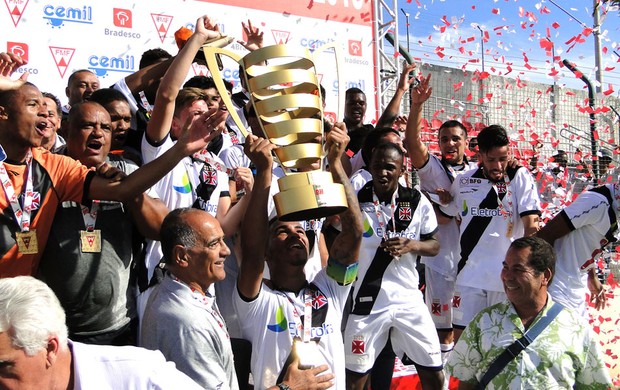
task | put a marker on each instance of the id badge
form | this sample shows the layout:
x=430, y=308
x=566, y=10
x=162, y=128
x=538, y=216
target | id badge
x=27, y=243
x=91, y=241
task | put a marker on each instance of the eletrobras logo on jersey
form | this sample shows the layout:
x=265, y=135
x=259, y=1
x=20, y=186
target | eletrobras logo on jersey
x=16, y=9
x=102, y=64
x=123, y=19
x=57, y=15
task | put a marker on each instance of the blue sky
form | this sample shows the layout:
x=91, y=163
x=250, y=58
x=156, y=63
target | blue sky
x=515, y=29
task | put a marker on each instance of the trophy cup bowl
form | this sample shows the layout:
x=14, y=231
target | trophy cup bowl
x=284, y=91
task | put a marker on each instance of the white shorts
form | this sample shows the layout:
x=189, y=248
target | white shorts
x=439, y=292
x=412, y=331
x=469, y=301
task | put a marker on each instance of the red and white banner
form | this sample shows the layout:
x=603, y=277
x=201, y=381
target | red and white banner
x=59, y=37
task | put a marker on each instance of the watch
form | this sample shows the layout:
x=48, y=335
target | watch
x=283, y=386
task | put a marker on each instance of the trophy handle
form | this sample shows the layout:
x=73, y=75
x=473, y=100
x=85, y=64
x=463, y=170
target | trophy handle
x=339, y=57
x=212, y=57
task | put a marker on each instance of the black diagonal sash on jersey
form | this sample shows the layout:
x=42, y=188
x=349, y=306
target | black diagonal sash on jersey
x=476, y=227
x=320, y=306
x=613, y=221
x=371, y=284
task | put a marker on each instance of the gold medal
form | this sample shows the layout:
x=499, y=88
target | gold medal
x=91, y=241
x=27, y=243
x=509, y=229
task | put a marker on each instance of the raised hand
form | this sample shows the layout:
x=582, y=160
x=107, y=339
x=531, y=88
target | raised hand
x=422, y=91
x=198, y=131
x=336, y=142
x=9, y=62
x=259, y=151
x=254, y=35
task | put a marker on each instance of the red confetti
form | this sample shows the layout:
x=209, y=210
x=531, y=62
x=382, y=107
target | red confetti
x=555, y=25
x=495, y=11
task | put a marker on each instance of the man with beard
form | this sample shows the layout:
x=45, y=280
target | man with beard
x=496, y=204
x=437, y=174
x=289, y=315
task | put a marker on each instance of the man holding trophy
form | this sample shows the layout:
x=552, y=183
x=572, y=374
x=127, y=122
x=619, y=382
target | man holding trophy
x=287, y=316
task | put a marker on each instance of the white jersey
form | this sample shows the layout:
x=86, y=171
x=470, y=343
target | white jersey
x=488, y=226
x=434, y=175
x=383, y=281
x=590, y=221
x=191, y=183
x=271, y=321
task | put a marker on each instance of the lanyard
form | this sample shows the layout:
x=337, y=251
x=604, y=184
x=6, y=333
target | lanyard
x=204, y=157
x=90, y=216
x=22, y=216
x=381, y=218
x=506, y=212
x=307, y=324
x=208, y=303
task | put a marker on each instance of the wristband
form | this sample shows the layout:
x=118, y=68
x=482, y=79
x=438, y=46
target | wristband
x=342, y=274
x=283, y=386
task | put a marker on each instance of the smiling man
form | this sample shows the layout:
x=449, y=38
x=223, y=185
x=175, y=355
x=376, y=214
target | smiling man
x=565, y=355
x=496, y=204
x=181, y=318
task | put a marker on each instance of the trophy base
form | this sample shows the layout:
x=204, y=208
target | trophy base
x=309, y=195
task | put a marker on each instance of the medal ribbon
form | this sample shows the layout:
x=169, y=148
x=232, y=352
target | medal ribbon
x=307, y=324
x=90, y=216
x=505, y=211
x=203, y=156
x=383, y=221
x=22, y=216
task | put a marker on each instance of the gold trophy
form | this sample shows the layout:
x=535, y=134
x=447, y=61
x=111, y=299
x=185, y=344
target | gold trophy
x=284, y=91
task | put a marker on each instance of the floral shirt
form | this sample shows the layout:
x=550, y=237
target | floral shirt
x=564, y=355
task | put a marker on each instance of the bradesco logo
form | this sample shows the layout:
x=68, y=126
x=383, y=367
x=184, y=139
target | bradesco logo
x=62, y=57
x=19, y=49
x=122, y=18
x=58, y=15
x=355, y=48
x=162, y=24
x=16, y=9
x=101, y=65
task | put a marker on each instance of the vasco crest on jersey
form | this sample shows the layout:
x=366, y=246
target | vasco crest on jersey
x=208, y=182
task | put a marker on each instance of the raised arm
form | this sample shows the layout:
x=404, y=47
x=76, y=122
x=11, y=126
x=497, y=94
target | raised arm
x=163, y=110
x=255, y=225
x=197, y=133
x=148, y=214
x=346, y=246
x=145, y=78
x=418, y=151
x=556, y=228
x=390, y=114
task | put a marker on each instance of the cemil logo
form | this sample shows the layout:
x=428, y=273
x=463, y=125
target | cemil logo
x=280, y=37
x=62, y=57
x=58, y=15
x=16, y=9
x=355, y=48
x=19, y=49
x=162, y=24
x=101, y=65
x=122, y=17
